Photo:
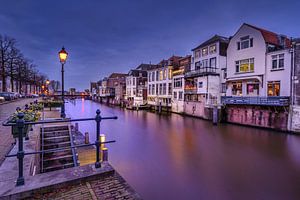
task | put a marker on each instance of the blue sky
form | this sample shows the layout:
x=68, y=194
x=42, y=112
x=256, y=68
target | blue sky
x=114, y=36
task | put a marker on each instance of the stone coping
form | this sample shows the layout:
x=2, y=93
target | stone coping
x=54, y=180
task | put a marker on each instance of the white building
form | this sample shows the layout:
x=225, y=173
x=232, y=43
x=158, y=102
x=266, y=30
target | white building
x=258, y=78
x=258, y=63
x=160, y=83
x=136, y=88
x=178, y=84
x=203, y=84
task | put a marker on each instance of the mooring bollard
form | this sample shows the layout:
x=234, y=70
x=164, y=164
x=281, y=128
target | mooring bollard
x=86, y=138
x=20, y=154
x=215, y=115
x=97, y=143
x=105, y=154
x=76, y=127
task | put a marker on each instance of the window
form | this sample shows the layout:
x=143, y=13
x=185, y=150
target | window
x=213, y=49
x=157, y=74
x=160, y=75
x=197, y=53
x=150, y=89
x=204, y=51
x=157, y=88
x=165, y=74
x=278, y=61
x=223, y=87
x=164, y=89
x=244, y=43
x=133, y=81
x=153, y=76
x=274, y=88
x=212, y=62
x=237, y=88
x=197, y=65
x=153, y=90
x=177, y=83
x=253, y=89
x=200, y=84
x=149, y=77
x=205, y=63
x=246, y=65
x=175, y=95
x=160, y=89
x=225, y=73
x=170, y=74
x=170, y=89
x=180, y=95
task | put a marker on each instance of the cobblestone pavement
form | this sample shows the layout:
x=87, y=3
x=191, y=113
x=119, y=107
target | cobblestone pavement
x=6, y=138
x=106, y=188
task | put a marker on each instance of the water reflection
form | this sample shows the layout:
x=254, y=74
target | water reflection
x=172, y=157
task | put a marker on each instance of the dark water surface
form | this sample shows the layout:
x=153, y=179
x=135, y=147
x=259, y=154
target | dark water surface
x=175, y=157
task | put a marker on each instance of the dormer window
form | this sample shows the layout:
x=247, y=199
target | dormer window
x=244, y=43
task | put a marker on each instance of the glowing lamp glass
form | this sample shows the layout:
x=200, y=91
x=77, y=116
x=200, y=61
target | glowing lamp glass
x=63, y=55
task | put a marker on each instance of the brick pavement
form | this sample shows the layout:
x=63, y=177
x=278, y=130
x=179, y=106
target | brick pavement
x=107, y=188
x=6, y=138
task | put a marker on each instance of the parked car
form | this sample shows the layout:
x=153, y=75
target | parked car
x=7, y=96
x=2, y=99
x=35, y=95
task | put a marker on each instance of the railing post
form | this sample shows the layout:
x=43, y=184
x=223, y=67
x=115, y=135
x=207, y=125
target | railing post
x=98, y=120
x=20, y=154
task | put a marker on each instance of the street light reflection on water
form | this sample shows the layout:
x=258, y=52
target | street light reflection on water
x=176, y=157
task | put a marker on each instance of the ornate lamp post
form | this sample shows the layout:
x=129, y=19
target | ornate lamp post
x=62, y=57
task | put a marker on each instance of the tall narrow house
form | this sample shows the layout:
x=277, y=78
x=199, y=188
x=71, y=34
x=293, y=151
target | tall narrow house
x=203, y=83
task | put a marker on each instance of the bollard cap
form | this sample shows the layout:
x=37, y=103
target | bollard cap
x=98, y=112
x=20, y=115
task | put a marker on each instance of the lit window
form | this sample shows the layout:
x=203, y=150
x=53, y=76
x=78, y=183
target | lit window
x=161, y=75
x=237, y=88
x=246, y=65
x=204, y=51
x=274, y=88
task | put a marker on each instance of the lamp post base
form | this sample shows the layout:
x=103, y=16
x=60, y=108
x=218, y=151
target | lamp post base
x=20, y=181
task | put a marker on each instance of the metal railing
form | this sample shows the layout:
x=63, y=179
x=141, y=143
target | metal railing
x=21, y=123
x=201, y=71
x=264, y=101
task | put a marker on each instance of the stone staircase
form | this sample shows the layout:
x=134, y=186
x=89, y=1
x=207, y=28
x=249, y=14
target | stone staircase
x=52, y=138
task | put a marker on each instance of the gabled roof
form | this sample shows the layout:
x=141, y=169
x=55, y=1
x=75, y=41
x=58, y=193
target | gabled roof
x=271, y=37
x=117, y=75
x=136, y=73
x=146, y=67
x=215, y=38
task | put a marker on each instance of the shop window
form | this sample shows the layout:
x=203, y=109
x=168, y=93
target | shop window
x=253, y=89
x=274, y=88
x=237, y=88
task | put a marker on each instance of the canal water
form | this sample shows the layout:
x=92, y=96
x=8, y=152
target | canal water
x=176, y=157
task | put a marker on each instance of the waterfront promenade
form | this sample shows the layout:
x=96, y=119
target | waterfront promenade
x=6, y=109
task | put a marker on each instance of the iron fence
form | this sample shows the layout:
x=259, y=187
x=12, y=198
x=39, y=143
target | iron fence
x=21, y=123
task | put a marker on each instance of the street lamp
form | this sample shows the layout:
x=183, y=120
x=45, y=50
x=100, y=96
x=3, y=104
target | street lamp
x=62, y=58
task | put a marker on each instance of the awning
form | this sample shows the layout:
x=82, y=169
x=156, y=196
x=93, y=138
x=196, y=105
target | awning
x=245, y=78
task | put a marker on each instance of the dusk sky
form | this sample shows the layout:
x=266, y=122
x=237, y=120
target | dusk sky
x=102, y=37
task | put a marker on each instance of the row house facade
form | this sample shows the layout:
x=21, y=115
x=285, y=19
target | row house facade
x=179, y=83
x=160, y=80
x=204, y=83
x=258, y=78
x=136, y=86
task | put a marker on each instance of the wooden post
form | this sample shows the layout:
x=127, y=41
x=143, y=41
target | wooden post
x=86, y=138
x=76, y=127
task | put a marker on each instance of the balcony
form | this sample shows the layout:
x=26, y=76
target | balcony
x=201, y=72
x=262, y=101
x=107, y=92
x=190, y=90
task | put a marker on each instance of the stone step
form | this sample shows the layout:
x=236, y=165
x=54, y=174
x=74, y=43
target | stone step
x=57, y=167
x=55, y=128
x=57, y=145
x=57, y=154
x=57, y=139
x=56, y=133
x=61, y=159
